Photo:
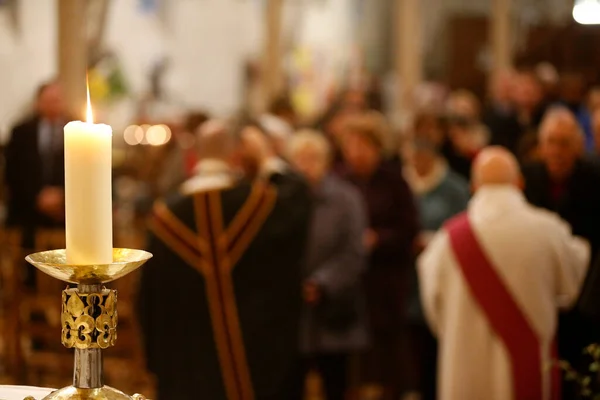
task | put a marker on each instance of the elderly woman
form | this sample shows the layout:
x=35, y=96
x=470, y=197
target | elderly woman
x=440, y=192
x=333, y=324
x=390, y=239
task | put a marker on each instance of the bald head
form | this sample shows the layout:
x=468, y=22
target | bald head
x=495, y=166
x=561, y=142
x=561, y=120
x=214, y=140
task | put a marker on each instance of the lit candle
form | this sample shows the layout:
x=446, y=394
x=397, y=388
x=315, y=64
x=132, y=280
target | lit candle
x=88, y=198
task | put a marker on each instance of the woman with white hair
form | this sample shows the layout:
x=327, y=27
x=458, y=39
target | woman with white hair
x=333, y=323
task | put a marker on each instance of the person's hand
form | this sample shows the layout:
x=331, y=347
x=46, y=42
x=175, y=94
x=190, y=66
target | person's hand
x=311, y=292
x=370, y=239
x=51, y=202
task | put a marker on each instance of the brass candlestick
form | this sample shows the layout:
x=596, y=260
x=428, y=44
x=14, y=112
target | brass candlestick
x=89, y=317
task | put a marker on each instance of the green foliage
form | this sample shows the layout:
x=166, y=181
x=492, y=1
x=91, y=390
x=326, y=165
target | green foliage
x=587, y=380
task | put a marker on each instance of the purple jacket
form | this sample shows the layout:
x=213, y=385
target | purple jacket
x=392, y=214
x=336, y=261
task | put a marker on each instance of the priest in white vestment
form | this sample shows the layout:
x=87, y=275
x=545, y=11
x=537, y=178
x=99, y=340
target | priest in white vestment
x=492, y=282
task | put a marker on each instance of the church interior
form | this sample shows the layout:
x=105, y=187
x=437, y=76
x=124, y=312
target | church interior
x=296, y=170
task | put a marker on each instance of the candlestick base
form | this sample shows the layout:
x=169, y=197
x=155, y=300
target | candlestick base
x=104, y=393
x=89, y=317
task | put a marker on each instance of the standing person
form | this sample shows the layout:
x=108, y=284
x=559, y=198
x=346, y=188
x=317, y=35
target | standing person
x=529, y=100
x=462, y=145
x=223, y=288
x=491, y=282
x=35, y=171
x=187, y=139
x=333, y=325
x=466, y=134
x=332, y=125
x=565, y=182
x=441, y=194
x=500, y=115
x=572, y=96
x=549, y=79
x=530, y=104
x=464, y=104
x=393, y=228
x=35, y=163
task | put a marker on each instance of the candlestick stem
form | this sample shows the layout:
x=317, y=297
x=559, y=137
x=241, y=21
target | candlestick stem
x=88, y=362
x=88, y=369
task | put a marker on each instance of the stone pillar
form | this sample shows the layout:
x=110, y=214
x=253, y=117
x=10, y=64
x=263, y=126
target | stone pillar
x=500, y=37
x=409, y=52
x=374, y=25
x=72, y=54
x=272, y=74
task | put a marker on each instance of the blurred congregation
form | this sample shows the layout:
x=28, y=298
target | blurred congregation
x=337, y=254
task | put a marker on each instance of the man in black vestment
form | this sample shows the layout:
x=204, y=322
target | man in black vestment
x=220, y=301
x=567, y=183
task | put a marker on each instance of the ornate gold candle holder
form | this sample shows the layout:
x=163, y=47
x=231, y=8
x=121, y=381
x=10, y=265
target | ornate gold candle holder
x=89, y=317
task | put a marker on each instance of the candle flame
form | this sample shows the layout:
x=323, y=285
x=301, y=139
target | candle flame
x=90, y=114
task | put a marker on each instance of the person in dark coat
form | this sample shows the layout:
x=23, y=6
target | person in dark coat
x=461, y=145
x=333, y=325
x=331, y=124
x=220, y=301
x=568, y=184
x=572, y=91
x=35, y=164
x=393, y=228
x=565, y=181
x=500, y=115
x=35, y=173
x=531, y=105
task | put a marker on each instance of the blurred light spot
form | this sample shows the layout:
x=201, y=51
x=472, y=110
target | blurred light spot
x=157, y=135
x=145, y=128
x=587, y=12
x=169, y=134
x=133, y=135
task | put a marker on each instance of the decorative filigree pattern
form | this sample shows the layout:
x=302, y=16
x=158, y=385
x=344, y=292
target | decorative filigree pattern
x=89, y=320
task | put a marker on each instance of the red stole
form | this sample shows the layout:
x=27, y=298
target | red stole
x=502, y=312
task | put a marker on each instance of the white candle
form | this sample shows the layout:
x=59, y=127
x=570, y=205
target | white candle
x=88, y=191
